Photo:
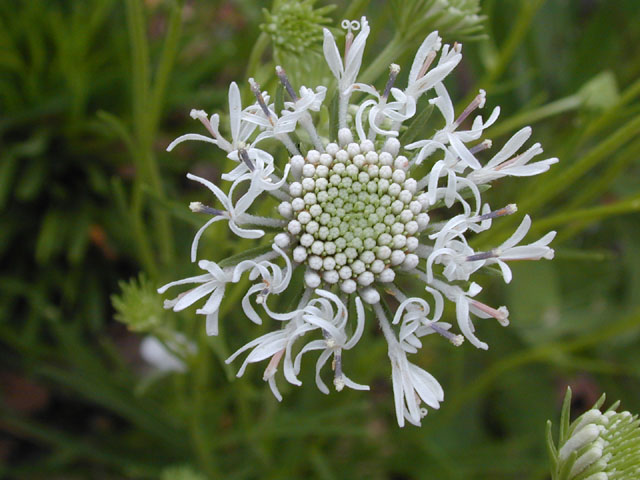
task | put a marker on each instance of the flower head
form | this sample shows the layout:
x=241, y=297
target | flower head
x=597, y=445
x=361, y=214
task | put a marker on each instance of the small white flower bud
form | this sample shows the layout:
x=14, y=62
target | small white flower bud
x=332, y=149
x=282, y=240
x=369, y=242
x=383, y=253
x=338, y=168
x=308, y=184
x=345, y=136
x=313, y=157
x=405, y=196
x=308, y=170
x=345, y=272
x=385, y=158
x=330, y=248
x=295, y=189
x=304, y=217
x=294, y=227
x=414, y=206
x=367, y=256
x=315, y=262
x=367, y=146
x=330, y=276
x=397, y=206
x=369, y=295
x=352, y=171
x=322, y=195
x=312, y=279
x=348, y=286
x=578, y=440
x=296, y=162
x=365, y=279
x=387, y=276
x=396, y=228
x=411, y=228
x=358, y=160
x=377, y=266
x=309, y=198
x=392, y=145
x=411, y=185
x=385, y=172
x=299, y=254
x=423, y=221
x=317, y=247
x=342, y=156
x=306, y=240
x=410, y=261
x=285, y=209
x=384, y=239
x=373, y=171
x=399, y=241
x=398, y=175
x=353, y=149
x=363, y=177
x=397, y=257
x=406, y=216
x=326, y=160
x=322, y=171
x=401, y=163
x=312, y=227
x=423, y=198
x=412, y=243
x=341, y=258
x=329, y=263
x=394, y=189
x=297, y=204
x=358, y=267
x=315, y=210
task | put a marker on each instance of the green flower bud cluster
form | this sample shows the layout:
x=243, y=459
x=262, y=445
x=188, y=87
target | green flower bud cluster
x=295, y=26
x=597, y=445
x=354, y=214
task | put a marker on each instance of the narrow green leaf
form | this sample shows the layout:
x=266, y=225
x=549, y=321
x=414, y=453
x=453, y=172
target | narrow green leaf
x=417, y=126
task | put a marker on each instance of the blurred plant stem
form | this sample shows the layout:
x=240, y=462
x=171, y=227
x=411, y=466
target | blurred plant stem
x=147, y=103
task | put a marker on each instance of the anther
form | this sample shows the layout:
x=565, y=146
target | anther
x=481, y=256
x=508, y=210
x=454, y=339
x=244, y=156
x=282, y=75
x=394, y=70
x=198, y=207
x=255, y=88
x=477, y=102
x=486, y=144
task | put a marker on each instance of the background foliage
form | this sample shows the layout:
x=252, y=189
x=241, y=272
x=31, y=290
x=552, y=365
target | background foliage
x=90, y=95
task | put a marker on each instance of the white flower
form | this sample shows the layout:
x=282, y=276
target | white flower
x=500, y=165
x=212, y=283
x=320, y=314
x=412, y=385
x=354, y=216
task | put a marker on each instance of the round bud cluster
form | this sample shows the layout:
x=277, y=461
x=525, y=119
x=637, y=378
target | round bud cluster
x=355, y=214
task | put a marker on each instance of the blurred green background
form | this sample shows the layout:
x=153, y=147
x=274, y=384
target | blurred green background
x=94, y=218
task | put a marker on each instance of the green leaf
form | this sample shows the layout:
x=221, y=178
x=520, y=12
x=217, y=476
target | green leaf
x=417, y=126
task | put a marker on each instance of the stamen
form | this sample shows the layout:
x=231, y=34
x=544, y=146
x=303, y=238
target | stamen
x=481, y=146
x=282, y=75
x=255, y=88
x=244, y=156
x=477, y=102
x=198, y=207
x=501, y=314
x=481, y=256
x=272, y=367
x=508, y=210
x=427, y=63
x=338, y=380
x=394, y=70
x=204, y=119
x=456, y=340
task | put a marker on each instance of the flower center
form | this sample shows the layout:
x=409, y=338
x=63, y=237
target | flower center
x=354, y=213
